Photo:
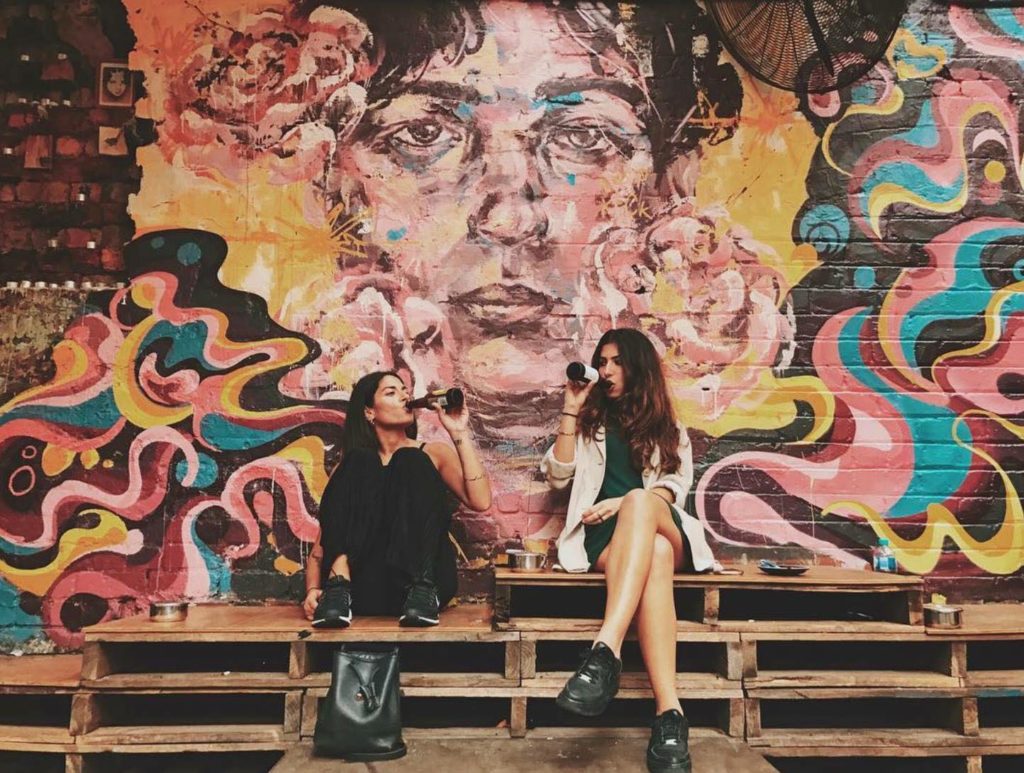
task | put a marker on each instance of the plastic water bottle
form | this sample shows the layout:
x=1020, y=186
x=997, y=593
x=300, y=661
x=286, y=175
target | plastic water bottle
x=882, y=557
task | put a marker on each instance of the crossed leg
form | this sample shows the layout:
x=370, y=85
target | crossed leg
x=645, y=550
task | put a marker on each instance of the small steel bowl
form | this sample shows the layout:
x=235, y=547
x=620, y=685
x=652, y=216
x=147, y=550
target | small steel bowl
x=168, y=611
x=526, y=561
x=943, y=616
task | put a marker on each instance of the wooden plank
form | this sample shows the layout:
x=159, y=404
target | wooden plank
x=310, y=704
x=38, y=671
x=513, y=660
x=223, y=622
x=75, y=763
x=817, y=577
x=528, y=664
x=428, y=679
x=805, y=629
x=712, y=604
x=752, y=713
x=130, y=735
x=292, y=714
x=732, y=717
x=517, y=718
x=852, y=693
x=966, y=721
x=843, y=632
x=85, y=713
x=983, y=621
x=637, y=686
x=34, y=734
x=98, y=746
x=454, y=733
x=583, y=629
x=32, y=746
x=748, y=651
x=956, y=662
x=200, y=680
x=904, y=742
x=972, y=764
x=915, y=607
x=298, y=659
x=729, y=660
x=614, y=732
x=814, y=678
x=876, y=751
x=1009, y=679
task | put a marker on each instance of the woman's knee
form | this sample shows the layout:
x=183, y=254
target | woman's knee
x=639, y=505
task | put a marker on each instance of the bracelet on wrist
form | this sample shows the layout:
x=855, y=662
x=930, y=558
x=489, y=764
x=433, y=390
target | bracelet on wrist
x=574, y=415
x=567, y=434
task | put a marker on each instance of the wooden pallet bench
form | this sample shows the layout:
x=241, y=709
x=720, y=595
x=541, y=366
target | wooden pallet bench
x=36, y=695
x=813, y=601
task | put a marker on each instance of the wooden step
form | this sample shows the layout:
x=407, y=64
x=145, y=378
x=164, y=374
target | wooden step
x=821, y=594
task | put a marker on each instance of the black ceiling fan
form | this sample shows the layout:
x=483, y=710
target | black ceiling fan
x=808, y=46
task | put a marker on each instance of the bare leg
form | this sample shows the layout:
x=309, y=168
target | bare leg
x=656, y=627
x=340, y=568
x=626, y=561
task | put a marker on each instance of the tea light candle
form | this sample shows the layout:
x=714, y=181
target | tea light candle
x=11, y=285
x=80, y=196
x=26, y=58
x=66, y=102
x=69, y=284
x=40, y=285
x=25, y=284
x=91, y=244
x=22, y=100
x=87, y=285
x=52, y=243
x=62, y=56
x=8, y=151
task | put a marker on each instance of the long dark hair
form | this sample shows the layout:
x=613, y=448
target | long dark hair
x=645, y=409
x=358, y=432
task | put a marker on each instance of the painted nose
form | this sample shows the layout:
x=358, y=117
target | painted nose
x=511, y=211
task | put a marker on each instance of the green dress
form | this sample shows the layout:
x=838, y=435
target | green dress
x=620, y=477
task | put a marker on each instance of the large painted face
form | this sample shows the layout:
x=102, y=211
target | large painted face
x=484, y=181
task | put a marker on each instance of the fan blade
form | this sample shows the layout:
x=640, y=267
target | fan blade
x=819, y=36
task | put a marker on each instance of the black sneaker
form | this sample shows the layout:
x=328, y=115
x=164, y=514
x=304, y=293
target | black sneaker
x=335, y=607
x=421, y=608
x=668, y=750
x=589, y=691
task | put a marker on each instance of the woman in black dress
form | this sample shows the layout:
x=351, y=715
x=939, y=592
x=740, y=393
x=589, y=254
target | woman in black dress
x=384, y=515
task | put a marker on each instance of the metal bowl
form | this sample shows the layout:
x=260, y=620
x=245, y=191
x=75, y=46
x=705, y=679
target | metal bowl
x=168, y=611
x=526, y=561
x=943, y=616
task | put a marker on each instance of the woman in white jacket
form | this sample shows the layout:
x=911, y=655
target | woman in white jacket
x=631, y=466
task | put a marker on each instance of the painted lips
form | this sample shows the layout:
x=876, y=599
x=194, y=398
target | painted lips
x=504, y=308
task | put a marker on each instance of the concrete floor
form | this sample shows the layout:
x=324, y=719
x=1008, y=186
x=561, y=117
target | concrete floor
x=595, y=755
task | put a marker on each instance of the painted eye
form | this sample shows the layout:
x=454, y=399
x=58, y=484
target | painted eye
x=423, y=134
x=581, y=143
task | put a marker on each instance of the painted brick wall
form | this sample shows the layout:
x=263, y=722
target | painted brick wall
x=471, y=193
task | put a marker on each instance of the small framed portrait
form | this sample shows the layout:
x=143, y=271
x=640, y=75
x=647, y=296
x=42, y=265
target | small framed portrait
x=115, y=85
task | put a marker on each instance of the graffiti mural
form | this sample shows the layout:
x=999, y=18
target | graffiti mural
x=472, y=193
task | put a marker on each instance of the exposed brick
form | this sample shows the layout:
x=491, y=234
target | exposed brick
x=56, y=192
x=77, y=238
x=29, y=191
x=68, y=147
x=111, y=259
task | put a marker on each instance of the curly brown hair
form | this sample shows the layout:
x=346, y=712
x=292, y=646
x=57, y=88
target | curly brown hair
x=645, y=409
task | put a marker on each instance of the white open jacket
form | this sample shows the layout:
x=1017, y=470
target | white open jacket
x=586, y=473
